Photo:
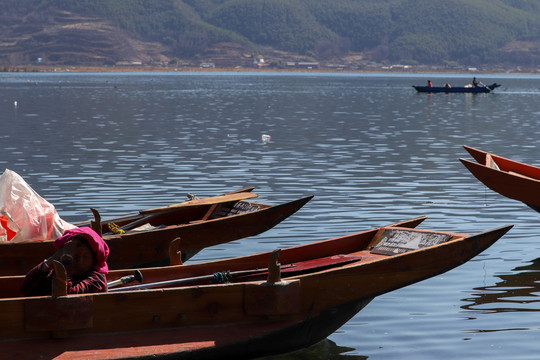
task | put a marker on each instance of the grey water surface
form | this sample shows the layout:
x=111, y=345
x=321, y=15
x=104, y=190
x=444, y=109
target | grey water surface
x=371, y=150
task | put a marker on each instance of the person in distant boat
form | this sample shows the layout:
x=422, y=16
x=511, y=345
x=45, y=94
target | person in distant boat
x=84, y=254
x=447, y=85
x=429, y=84
x=474, y=82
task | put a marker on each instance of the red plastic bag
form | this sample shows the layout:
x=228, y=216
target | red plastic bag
x=5, y=227
x=24, y=215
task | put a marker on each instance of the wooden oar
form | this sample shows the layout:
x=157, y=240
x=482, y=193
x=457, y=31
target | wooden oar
x=246, y=189
x=484, y=85
x=297, y=268
x=218, y=277
x=204, y=201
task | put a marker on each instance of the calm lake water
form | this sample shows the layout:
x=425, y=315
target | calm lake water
x=369, y=148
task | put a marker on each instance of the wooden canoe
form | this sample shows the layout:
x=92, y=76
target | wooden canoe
x=199, y=223
x=457, y=89
x=274, y=302
x=509, y=178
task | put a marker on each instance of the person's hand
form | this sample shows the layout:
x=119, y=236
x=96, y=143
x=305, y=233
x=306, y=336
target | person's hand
x=48, y=263
x=64, y=255
x=66, y=252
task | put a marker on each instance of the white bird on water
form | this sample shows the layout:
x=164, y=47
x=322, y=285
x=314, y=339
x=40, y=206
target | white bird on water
x=15, y=103
x=265, y=138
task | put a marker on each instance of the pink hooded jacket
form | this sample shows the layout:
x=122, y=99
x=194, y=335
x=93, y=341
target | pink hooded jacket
x=98, y=245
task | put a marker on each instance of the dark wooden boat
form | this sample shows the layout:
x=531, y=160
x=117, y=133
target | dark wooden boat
x=458, y=89
x=509, y=178
x=272, y=302
x=199, y=223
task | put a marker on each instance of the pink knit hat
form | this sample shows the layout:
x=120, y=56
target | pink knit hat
x=97, y=244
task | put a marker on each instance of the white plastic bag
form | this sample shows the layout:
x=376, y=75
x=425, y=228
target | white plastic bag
x=24, y=215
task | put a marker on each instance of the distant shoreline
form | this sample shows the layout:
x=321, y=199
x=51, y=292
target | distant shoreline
x=127, y=69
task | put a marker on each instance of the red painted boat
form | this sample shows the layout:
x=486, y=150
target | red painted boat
x=200, y=223
x=509, y=178
x=270, y=303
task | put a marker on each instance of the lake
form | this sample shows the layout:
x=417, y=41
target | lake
x=371, y=150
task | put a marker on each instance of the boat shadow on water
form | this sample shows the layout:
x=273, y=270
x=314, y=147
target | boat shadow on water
x=516, y=292
x=323, y=350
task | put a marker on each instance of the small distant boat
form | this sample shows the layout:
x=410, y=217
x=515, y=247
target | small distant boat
x=269, y=303
x=458, y=89
x=509, y=178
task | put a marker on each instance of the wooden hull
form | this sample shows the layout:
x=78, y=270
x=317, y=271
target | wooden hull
x=241, y=319
x=509, y=178
x=235, y=341
x=151, y=247
x=458, y=89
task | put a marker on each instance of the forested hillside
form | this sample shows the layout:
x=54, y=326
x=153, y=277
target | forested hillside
x=468, y=32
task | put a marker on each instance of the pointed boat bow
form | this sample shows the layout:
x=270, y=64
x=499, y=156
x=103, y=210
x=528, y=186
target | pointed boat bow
x=510, y=184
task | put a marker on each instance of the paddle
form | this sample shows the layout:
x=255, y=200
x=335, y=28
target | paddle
x=204, y=201
x=484, y=85
x=297, y=268
x=246, y=189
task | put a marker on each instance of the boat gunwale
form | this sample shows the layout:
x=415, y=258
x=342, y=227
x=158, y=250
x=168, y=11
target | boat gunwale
x=260, y=259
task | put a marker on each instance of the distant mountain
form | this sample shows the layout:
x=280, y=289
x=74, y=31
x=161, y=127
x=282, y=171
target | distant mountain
x=235, y=32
